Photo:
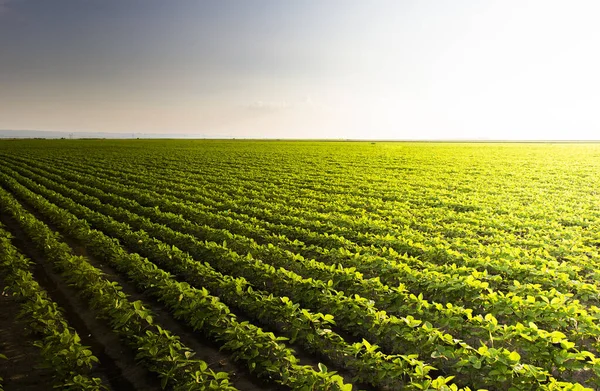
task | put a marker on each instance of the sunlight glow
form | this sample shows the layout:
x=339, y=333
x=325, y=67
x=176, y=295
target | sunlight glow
x=336, y=69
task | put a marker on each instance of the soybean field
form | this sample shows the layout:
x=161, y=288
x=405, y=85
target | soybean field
x=299, y=265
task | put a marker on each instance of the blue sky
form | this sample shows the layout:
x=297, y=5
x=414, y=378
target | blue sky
x=307, y=68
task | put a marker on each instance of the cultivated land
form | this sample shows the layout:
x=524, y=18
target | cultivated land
x=264, y=265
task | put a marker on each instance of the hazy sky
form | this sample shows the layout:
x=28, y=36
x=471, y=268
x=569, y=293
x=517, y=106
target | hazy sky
x=305, y=68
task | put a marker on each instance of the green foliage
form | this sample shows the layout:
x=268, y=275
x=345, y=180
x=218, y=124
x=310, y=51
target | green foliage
x=455, y=268
x=60, y=345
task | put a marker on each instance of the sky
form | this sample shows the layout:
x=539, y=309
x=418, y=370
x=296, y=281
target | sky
x=377, y=69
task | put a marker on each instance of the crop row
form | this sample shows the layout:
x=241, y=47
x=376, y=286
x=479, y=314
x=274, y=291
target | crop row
x=496, y=355
x=298, y=323
x=60, y=345
x=467, y=290
x=534, y=343
x=263, y=352
x=494, y=240
x=157, y=349
x=266, y=207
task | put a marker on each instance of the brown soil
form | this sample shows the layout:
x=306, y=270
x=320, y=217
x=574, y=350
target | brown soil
x=21, y=371
x=117, y=367
x=205, y=349
x=124, y=374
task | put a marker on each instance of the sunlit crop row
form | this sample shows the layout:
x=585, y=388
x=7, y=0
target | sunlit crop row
x=401, y=266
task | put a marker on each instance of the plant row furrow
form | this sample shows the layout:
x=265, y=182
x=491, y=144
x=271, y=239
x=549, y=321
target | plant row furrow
x=60, y=345
x=263, y=352
x=547, y=309
x=502, y=364
x=157, y=349
x=317, y=240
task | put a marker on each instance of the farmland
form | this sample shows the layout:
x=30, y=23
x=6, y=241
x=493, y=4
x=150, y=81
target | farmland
x=272, y=265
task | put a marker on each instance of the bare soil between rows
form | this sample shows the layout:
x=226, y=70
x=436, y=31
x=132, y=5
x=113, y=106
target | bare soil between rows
x=21, y=371
x=118, y=367
x=205, y=349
